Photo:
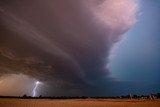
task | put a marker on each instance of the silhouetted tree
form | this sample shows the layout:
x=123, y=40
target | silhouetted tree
x=24, y=96
x=135, y=96
x=158, y=95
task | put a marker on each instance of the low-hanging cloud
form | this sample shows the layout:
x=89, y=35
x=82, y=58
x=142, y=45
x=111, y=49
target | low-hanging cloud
x=65, y=44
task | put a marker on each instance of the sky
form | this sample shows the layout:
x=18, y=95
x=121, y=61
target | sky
x=139, y=52
x=83, y=47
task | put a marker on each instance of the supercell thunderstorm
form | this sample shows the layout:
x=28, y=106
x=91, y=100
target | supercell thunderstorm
x=65, y=44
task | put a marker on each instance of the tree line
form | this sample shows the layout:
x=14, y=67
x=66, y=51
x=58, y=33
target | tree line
x=129, y=96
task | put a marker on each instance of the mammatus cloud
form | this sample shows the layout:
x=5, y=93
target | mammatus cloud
x=65, y=44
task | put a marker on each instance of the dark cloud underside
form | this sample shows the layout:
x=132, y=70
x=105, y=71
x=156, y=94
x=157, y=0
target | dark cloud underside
x=63, y=43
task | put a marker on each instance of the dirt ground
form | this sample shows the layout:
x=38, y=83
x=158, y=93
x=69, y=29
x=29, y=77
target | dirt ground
x=12, y=102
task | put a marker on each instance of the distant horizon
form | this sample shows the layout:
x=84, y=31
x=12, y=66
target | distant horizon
x=41, y=96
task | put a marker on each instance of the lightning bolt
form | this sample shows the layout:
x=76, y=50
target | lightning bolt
x=37, y=83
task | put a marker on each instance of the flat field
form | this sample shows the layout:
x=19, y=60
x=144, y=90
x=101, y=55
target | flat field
x=13, y=102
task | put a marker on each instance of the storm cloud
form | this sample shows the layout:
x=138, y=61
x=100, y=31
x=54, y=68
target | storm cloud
x=63, y=43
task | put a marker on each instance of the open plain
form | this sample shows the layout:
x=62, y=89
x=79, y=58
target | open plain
x=13, y=102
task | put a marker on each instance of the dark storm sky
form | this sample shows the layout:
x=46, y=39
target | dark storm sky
x=65, y=44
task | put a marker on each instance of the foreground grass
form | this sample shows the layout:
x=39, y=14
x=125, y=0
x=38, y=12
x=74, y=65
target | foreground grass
x=13, y=102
